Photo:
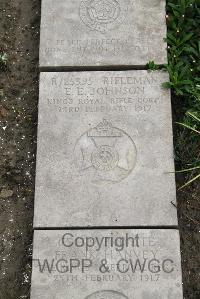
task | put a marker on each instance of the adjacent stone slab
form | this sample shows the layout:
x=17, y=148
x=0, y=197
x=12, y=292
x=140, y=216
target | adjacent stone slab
x=105, y=153
x=106, y=264
x=102, y=33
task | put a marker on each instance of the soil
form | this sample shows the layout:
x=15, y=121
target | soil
x=19, y=33
x=18, y=122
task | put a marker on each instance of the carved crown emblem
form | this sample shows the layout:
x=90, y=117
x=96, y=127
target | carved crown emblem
x=104, y=129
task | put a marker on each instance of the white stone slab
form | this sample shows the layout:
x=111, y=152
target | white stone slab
x=107, y=264
x=88, y=33
x=105, y=150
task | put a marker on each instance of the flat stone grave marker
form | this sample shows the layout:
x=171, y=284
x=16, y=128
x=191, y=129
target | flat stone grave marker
x=90, y=33
x=105, y=152
x=106, y=264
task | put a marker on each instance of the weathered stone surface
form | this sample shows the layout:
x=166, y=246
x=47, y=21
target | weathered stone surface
x=102, y=33
x=104, y=150
x=106, y=264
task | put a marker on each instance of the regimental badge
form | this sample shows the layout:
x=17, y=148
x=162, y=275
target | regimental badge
x=101, y=15
x=106, y=152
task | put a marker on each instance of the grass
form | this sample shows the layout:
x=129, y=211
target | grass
x=183, y=39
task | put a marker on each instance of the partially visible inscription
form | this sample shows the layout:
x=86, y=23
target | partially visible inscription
x=104, y=46
x=107, y=151
x=106, y=295
x=110, y=264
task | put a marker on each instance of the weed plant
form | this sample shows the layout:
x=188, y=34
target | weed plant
x=183, y=39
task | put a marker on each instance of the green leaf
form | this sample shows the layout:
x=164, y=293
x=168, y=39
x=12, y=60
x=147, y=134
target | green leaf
x=188, y=170
x=167, y=85
x=190, y=181
x=188, y=127
x=193, y=116
x=186, y=38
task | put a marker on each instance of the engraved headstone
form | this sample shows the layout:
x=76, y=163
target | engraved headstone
x=105, y=153
x=106, y=264
x=88, y=33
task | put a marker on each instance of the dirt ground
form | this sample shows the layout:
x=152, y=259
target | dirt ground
x=19, y=31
